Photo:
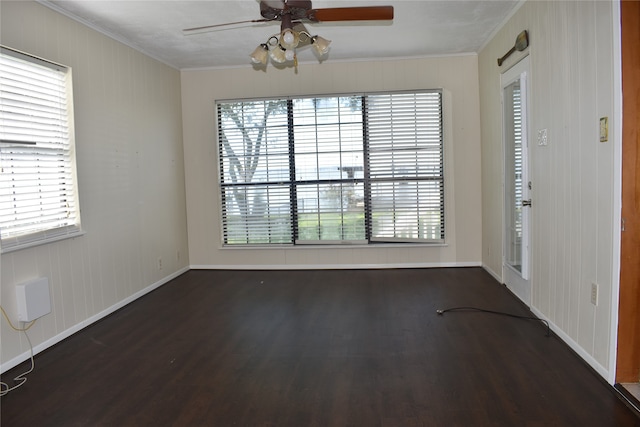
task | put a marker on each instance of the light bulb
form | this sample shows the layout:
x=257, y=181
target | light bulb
x=289, y=54
x=289, y=39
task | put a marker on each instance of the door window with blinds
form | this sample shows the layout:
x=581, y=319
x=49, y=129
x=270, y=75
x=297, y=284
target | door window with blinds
x=360, y=169
x=38, y=200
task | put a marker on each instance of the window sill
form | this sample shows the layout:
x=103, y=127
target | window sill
x=32, y=244
x=402, y=245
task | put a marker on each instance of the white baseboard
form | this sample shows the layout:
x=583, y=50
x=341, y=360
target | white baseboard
x=331, y=266
x=601, y=370
x=493, y=273
x=81, y=325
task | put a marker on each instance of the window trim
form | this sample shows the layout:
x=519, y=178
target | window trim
x=369, y=241
x=50, y=235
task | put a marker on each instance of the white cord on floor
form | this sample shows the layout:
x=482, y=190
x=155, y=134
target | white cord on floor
x=20, y=379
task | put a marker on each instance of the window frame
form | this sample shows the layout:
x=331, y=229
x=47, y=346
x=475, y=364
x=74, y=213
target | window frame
x=365, y=180
x=53, y=231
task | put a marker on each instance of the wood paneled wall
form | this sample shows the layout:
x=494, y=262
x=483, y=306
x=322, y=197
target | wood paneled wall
x=575, y=183
x=456, y=75
x=128, y=135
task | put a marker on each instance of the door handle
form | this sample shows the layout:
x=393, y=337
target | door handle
x=526, y=203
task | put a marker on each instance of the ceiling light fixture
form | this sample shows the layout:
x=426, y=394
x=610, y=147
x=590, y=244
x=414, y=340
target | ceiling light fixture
x=282, y=47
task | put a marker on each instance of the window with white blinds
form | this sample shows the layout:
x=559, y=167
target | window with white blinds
x=405, y=162
x=359, y=168
x=517, y=160
x=38, y=200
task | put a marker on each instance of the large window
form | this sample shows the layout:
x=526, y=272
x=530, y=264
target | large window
x=336, y=169
x=38, y=200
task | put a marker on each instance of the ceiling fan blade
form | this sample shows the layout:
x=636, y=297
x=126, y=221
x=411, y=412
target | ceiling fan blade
x=198, y=30
x=365, y=13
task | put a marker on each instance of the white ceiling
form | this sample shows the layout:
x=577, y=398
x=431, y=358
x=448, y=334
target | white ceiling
x=419, y=28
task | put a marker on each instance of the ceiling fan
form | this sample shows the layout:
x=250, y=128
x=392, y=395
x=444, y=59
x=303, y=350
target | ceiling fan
x=292, y=14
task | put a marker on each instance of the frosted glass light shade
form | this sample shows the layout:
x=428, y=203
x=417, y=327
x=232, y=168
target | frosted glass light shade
x=277, y=54
x=260, y=54
x=321, y=45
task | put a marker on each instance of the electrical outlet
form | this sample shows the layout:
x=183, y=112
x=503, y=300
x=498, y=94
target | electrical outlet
x=594, y=294
x=160, y=264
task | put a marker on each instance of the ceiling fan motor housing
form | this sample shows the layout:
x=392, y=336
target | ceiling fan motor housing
x=275, y=9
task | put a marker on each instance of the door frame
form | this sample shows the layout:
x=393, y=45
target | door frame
x=628, y=335
x=518, y=281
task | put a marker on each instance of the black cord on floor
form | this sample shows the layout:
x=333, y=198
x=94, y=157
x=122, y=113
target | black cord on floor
x=441, y=312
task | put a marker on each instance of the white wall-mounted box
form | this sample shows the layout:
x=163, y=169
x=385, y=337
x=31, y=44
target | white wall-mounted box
x=33, y=299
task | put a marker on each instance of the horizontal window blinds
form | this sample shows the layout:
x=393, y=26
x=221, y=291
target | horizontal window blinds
x=37, y=188
x=328, y=150
x=255, y=177
x=405, y=165
x=357, y=168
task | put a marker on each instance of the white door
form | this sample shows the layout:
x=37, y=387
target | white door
x=517, y=201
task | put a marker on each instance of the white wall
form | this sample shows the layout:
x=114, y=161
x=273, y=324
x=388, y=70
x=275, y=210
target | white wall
x=575, y=194
x=132, y=176
x=130, y=173
x=457, y=75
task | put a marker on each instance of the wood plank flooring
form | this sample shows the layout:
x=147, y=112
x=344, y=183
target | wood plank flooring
x=315, y=348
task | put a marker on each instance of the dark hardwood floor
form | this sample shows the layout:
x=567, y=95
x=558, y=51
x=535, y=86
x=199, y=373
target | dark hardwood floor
x=315, y=348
